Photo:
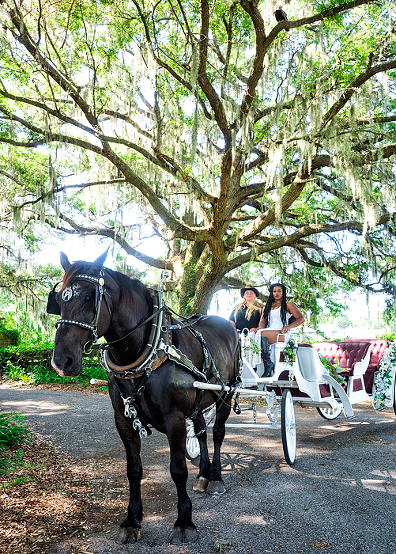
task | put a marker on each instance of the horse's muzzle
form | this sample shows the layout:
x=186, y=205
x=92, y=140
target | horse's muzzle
x=66, y=366
x=58, y=371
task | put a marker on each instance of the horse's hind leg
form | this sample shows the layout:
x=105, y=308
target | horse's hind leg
x=216, y=485
x=202, y=479
x=184, y=530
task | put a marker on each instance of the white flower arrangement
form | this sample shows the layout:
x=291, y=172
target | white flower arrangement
x=383, y=378
x=251, y=347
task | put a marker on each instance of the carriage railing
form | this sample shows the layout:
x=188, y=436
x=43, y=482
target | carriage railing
x=251, y=355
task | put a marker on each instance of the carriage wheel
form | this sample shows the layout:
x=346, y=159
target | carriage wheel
x=288, y=426
x=192, y=444
x=330, y=412
x=394, y=393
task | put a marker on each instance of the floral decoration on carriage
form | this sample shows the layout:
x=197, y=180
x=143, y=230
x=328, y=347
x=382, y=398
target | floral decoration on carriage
x=334, y=369
x=383, y=378
x=289, y=352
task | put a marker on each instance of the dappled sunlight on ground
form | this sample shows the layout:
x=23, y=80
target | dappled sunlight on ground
x=29, y=407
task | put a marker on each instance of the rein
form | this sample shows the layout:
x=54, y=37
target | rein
x=159, y=347
x=107, y=345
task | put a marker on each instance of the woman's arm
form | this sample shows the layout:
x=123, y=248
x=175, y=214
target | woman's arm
x=293, y=310
x=262, y=323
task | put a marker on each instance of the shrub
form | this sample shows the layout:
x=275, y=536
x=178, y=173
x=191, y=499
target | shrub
x=12, y=334
x=32, y=364
x=12, y=429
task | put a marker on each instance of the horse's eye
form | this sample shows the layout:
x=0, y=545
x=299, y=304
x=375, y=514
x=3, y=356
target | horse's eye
x=88, y=298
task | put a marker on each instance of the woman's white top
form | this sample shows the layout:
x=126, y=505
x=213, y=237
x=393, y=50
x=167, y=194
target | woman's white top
x=275, y=321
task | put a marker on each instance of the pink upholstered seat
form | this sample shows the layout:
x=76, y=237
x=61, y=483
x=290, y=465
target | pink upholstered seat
x=347, y=352
x=353, y=356
x=378, y=347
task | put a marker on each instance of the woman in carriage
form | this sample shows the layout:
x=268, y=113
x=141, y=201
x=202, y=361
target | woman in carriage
x=270, y=325
x=246, y=314
x=277, y=319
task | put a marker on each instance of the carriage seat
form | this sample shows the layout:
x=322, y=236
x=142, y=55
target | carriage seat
x=353, y=356
x=311, y=367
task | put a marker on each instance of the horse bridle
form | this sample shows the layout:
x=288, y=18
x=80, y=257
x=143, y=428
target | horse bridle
x=100, y=295
x=67, y=295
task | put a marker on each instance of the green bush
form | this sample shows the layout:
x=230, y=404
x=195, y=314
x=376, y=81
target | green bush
x=12, y=432
x=12, y=429
x=12, y=334
x=32, y=364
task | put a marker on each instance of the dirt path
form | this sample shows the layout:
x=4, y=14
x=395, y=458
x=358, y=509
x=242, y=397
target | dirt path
x=338, y=498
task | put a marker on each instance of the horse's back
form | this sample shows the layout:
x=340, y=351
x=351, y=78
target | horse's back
x=222, y=340
x=217, y=328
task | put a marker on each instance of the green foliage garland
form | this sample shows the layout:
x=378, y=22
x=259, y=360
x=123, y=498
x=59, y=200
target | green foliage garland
x=334, y=369
x=289, y=353
x=383, y=378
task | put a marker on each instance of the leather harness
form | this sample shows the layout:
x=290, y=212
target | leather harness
x=159, y=347
x=158, y=350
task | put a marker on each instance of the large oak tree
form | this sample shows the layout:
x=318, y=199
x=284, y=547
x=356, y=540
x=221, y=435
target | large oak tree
x=239, y=138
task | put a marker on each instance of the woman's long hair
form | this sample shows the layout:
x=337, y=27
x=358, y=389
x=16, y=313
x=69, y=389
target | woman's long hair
x=255, y=306
x=270, y=301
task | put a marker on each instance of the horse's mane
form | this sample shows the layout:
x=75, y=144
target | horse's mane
x=128, y=284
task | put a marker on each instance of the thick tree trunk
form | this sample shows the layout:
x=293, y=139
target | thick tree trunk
x=201, y=276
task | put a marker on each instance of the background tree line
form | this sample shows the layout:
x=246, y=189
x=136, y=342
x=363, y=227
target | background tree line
x=238, y=141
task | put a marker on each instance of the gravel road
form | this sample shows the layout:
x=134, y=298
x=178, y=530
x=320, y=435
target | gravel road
x=338, y=498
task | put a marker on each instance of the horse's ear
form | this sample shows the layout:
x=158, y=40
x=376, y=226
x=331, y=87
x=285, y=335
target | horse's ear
x=64, y=260
x=102, y=258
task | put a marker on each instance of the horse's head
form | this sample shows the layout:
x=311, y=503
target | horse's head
x=84, y=303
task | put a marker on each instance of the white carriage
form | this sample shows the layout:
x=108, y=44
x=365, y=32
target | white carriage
x=303, y=380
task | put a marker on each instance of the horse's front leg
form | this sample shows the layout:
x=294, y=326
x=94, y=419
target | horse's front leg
x=130, y=527
x=216, y=485
x=184, y=530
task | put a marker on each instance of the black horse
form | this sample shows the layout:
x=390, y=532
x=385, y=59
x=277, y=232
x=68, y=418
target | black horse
x=152, y=360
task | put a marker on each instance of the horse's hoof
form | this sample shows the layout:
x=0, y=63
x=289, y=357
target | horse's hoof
x=200, y=484
x=184, y=535
x=127, y=535
x=215, y=488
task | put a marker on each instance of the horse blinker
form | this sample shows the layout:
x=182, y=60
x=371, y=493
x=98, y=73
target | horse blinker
x=52, y=303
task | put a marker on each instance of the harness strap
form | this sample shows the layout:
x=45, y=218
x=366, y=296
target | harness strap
x=187, y=323
x=142, y=364
x=158, y=352
x=177, y=356
x=108, y=345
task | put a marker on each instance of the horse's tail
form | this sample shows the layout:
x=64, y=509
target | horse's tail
x=237, y=362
